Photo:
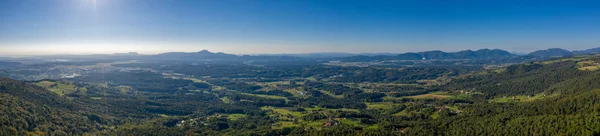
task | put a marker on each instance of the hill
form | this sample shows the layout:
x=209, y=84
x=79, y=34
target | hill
x=30, y=110
x=552, y=52
x=203, y=54
x=314, y=55
x=206, y=55
x=588, y=51
x=437, y=55
x=537, y=98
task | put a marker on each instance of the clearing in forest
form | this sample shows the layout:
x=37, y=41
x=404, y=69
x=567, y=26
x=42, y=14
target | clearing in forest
x=434, y=95
x=58, y=87
x=588, y=65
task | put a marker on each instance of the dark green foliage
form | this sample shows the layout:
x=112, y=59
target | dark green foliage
x=572, y=115
x=522, y=79
x=552, y=52
x=466, y=54
x=274, y=92
x=29, y=109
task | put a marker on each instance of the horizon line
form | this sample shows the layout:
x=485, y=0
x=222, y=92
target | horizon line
x=6, y=54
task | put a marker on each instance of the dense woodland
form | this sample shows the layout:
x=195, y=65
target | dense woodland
x=555, y=97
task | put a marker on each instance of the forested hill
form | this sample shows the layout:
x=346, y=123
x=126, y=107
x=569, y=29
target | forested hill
x=552, y=52
x=428, y=55
x=556, y=97
x=33, y=94
x=561, y=75
x=27, y=109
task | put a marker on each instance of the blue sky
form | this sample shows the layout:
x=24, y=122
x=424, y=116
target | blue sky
x=294, y=26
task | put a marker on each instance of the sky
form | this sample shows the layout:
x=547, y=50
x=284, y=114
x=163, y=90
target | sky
x=42, y=27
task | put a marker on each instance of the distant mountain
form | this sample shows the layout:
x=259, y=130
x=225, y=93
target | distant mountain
x=127, y=54
x=321, y=55
x=378, y=54
x=552, y=52
x=314, y=55
x=466, y=54
x=588, y=51
x=519, y=53
x=204, y=54
x=210, y=56
x=469, y=54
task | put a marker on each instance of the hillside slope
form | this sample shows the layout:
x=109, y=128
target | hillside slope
x=562, y=99
x=30, y=110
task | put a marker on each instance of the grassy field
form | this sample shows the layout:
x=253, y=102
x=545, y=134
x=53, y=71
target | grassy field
x=331, y=94
x=96, y=98
x=44, y=83
x=288, y=117
x=271, y=83
x=289, y=110
x=196, y=80
x=453, y=108
x=285, y=124
x=381, y=105
x=562, y=60
x=457, y=95
x=283, y=114
x=388, y=98
x=434, y=95
x=499, y=70
x=283, y=111
x=125, y=89
x=225, y=99
x=295, y=91
x=235, y=116
x=331, y=110
x=351, y=122
x=266, y=96
x=58, y=87
x=588, y=65
x=590, y=68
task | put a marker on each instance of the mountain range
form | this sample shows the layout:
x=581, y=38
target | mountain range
x=588, y=51
x=552, y=52
x=495, y=54
x=469, y=54
x=434, y=55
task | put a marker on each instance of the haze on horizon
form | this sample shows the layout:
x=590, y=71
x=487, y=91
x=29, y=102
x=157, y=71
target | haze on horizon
x=41, y=27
